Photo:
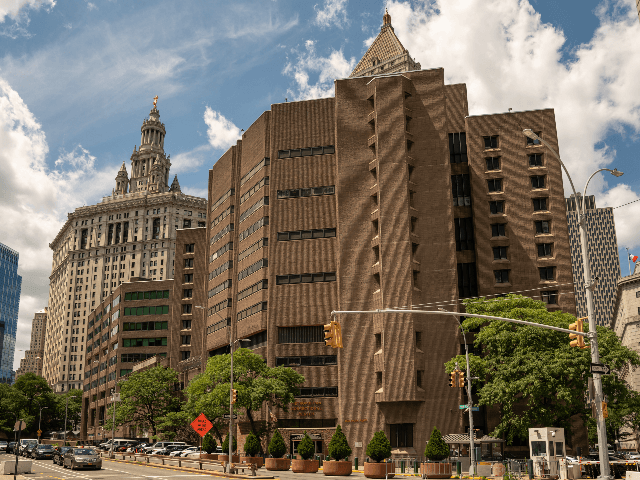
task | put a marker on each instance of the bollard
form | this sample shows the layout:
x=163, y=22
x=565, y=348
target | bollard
x=401, y=466
x=530, y=468
x=459, y=468
x=415, y=466
x=356, y=463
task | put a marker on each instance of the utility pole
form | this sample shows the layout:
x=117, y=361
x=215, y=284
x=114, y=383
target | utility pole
x=115, y=397
x=39, y=422
x=66, y=410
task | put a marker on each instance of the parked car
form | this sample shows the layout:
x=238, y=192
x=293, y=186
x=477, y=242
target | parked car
x=26, y=451
x=189, y=451
x=24, y=442
x=3, y=445
x=160, y=446
x=82, y=458
x=10, y=447
x=138, y=448
x=58, y=453
x=175, y=451
x=126, y=446
x=42, y=451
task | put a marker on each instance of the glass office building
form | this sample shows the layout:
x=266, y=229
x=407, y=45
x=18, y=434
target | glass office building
x=10, y=285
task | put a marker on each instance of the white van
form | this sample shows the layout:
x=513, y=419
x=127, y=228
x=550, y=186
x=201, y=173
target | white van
x=118, y=442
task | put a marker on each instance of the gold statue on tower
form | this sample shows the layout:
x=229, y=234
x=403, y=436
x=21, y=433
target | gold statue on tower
x=155, y=101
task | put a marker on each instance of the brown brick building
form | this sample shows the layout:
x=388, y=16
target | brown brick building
x=387, y=195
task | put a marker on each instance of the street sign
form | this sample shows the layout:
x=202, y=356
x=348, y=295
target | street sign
x=475, y=409
x=228, y=416
x=600, y=368
x=39, y=432
x=20, y=425
x=201, y=425
x=115, y=397
x=462, y=407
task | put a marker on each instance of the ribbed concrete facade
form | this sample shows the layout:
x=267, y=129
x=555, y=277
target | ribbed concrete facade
x=32, y=361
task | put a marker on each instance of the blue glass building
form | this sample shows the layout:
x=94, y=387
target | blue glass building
x=10, y=286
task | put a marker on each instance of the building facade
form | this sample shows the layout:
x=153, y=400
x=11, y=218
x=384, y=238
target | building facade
x=388, y=195
x=144, y=323
x=130, y=233
x=603, y=258
x=10, y=288
x=32, y=361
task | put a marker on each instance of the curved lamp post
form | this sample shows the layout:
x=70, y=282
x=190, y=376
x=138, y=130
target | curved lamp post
x=589, y=285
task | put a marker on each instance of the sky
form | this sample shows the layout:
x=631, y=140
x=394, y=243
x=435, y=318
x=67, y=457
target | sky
x=78, y=77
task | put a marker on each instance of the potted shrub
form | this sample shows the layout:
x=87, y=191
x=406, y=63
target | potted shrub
x=251, y=450
x=225, y=448
x=339, y=450
x=436, y=451
x=209, y=445
x=306, y=449
x=277, y=449
x=379, y=449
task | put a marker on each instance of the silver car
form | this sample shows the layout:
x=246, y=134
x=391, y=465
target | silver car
x=82, y=458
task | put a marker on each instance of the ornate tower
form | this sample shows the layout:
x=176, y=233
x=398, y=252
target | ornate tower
x=175, y=185
x=122, y=181
x=151, y=151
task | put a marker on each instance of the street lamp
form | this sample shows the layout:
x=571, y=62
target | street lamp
x=605, y=469
x=39, y=422
x=203, y=363
x=66, y=410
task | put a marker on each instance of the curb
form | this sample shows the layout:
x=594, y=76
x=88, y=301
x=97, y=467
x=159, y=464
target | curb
x=188, y=469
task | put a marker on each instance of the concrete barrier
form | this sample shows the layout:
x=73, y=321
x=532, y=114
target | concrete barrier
x=8, y=466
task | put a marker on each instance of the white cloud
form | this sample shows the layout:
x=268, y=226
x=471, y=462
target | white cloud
x=35, y=200
x=91, y=6
x=333, y=12
x=192, y=160
x=222, y=133
x=13, y=8
x=327, y=70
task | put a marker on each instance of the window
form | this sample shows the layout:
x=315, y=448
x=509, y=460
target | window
x=188, y=263
x=499, y=253
x=550, y=297
x=185, y=355
x=226, y=303
x=306, y=234
x=222, y=216
x=187, y=293
x=540, y=204
x=315, y=361
x=458, y=147
x=318, y=392
x=419, y=376
x=186, y=324
x=493, y=163
x=144, y=342
x=251, y=269
x=263, y=242
x=259, y=166
x=264, y=221
x=545, y=249
x=543, y=226
x=306, y=278
x=537, y=181
x=187, y=308
x=247, y=312
x=502, y=276
x=220, y=288
x=491, y=142
x=185, y=339
x=304, y=152
x=546, y=273
x=221, y=233
x=189, y=248
x=535, y=160
x=464, y=233
x=461, y=190
x=221, y=269
x=496, y=207
x=467, y=280
x=252, y=209
x=498, y=230
x=306, y=192
x=153, y=310
x=261, y=183
x=312, y=334
x=531, y=141
x=130, y=326
x=495, y=184
x=256, y=287
x=146, y=295
x=418, y=341
x=401, y=435
x=222, y=199
x=638, y=294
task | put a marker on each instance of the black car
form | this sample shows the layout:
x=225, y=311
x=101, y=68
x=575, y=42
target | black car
x=10, y=447
x=42, y=451
x=28, y=449
x=58, y=453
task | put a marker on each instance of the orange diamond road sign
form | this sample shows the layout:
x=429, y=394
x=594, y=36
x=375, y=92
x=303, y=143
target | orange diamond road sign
x=201, y=425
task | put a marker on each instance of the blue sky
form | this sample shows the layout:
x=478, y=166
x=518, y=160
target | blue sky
x=78, y=77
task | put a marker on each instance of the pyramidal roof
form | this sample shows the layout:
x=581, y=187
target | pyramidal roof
x=385, y=47
x=175, y=185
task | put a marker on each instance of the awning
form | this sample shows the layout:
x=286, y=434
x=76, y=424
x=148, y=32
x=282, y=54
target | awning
x=312, y=436
x=462, y=438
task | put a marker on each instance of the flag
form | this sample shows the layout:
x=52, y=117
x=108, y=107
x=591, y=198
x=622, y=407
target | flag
x=633, y=257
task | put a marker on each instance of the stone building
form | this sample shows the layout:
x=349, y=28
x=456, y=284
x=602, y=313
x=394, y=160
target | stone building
x=130, y=233
x=32, y=361
x=603, y=258
x=387, y=195
x=10, y=288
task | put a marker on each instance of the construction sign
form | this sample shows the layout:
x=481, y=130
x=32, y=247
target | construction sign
x=201, y=425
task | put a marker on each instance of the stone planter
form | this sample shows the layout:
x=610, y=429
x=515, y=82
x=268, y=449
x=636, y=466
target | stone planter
x=280, y=464
x=336, y=468
x=379, y=470
x=256, y=460
x=304, y=466
x=225, y=458
x=210, y=456
x=435, y=470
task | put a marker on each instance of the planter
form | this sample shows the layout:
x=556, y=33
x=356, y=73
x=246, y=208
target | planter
x=304, y=466
x=379, y=470
x=435, y=470
x=225, y=458
x=336, y=468
x=256, y=460
x=280, y=464
x=210, y=456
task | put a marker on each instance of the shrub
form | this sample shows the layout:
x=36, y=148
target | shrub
x=277, y=448
x=436, y=448
x=379, y=447
x=251, y=445
x=209, y=443
x=225, y=445
x=306, y=448
x=338, y=446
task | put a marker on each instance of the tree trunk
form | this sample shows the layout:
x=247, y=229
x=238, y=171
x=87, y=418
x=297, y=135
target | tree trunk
x=218, y=434
x=253, y=427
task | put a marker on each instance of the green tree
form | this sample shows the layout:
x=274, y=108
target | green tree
x=306, y=448
x=339, y=446
x=225, y=445
x=209, y=443
x=176, y=426
x=252, y=445
x=12, y=402
x=436, y=448
x=526, y=366
x=379, y=447
x=277, y=448
x=145, y=397
x=70, y=401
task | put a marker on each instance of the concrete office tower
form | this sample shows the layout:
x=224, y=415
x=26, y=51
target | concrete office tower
x=10, y=287
x=32, y=361
x=386, y=196
x=130, y=233
x=603, y=258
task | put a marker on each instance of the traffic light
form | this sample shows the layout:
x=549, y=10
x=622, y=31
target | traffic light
x=234, y=396
x=577, y=340
x=461, y=379
x=329, y=334
x=453, y=379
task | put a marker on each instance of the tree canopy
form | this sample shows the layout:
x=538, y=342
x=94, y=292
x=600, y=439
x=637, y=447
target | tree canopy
x=521, y=365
